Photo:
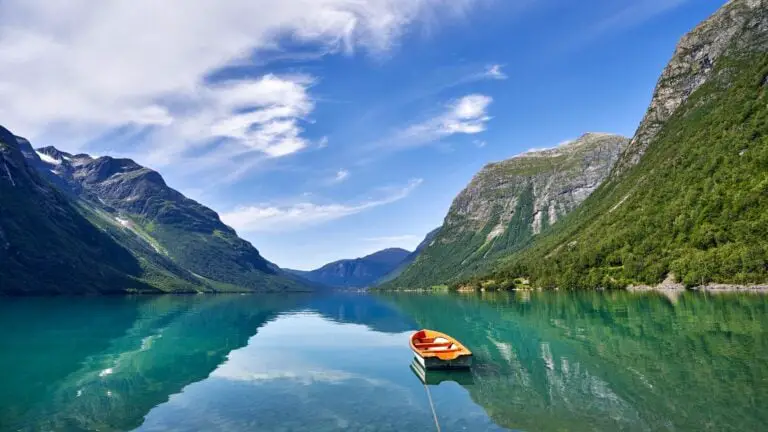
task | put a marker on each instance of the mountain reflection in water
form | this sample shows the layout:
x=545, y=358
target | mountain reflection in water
x=543, y=361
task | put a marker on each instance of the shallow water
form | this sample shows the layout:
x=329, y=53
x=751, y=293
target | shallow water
x=549, y=361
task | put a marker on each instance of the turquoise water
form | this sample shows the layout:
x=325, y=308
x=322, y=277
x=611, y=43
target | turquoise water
x=549, y=361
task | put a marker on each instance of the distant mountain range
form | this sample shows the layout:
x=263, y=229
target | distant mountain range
x=359, y=272
x=408, y=260
x=79, y=224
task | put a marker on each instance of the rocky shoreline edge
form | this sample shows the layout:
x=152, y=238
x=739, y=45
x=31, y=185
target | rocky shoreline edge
x=670, y=286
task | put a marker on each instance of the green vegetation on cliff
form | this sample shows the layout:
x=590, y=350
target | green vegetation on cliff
x=688, y=197
x=696, y=204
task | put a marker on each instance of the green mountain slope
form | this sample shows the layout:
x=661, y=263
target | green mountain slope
x=48, y=246
x=144, y=213
x=71, y=224
x=509, y=202
x=690, y=195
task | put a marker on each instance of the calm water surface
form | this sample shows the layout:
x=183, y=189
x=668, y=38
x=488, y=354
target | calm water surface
x=544, y=362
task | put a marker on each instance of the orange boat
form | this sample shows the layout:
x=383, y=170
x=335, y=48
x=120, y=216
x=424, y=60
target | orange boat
x=435, y=350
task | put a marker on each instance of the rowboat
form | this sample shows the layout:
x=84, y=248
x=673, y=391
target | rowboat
x=435, y=350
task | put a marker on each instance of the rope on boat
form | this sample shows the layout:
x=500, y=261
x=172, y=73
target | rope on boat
x=431, y=405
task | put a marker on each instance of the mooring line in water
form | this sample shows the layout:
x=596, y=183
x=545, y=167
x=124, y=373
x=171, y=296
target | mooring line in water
x=431, y=405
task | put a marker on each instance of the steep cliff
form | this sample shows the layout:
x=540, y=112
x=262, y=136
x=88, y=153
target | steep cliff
x=737, y=29
x=689, y=197
x=509, y=202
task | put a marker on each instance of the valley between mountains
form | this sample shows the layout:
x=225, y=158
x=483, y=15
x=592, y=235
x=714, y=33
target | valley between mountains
x=684, y=200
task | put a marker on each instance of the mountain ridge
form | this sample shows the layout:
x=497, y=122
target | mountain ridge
x=115, y=226
x=360, y=272
x=187, y=232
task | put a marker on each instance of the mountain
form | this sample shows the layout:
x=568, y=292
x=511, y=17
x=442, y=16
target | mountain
x=78, y=224
x=356, y=273
x=509, y=202
x=48, y=246
x=689, y=195
x=410, y=258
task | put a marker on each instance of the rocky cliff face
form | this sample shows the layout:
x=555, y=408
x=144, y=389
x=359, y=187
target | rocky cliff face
x=356, y=273
x=741, y=26
x=508, y=202
x=538, y=187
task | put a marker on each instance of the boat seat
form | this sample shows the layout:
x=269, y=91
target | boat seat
x=444, y=349
x=432, y=344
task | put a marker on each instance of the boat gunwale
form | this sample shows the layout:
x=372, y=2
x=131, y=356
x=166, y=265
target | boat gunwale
x=453, y=354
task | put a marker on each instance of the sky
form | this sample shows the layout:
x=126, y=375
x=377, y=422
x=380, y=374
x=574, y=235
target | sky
x=329, y=129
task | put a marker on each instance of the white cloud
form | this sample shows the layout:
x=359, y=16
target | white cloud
x=480, y=143
x=495, y=72
x=341, y=175
x=260, y=115
x=74, y=71
x=274, y=218
x=468, y=115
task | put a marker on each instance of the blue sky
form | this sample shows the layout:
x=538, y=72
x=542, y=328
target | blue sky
x=328, y=129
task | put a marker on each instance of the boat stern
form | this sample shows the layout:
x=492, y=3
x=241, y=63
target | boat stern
x=433, y=363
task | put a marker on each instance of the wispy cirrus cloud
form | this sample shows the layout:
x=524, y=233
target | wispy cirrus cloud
x=467, y=116
x=495, y=72
x=277, y=218
x=341, y=175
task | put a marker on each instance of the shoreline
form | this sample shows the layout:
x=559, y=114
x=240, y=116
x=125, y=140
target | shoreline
x=669, y=286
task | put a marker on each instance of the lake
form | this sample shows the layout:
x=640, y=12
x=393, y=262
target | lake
x=544, y=362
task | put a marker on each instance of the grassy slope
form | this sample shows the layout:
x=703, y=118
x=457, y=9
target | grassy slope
x=696, y=204
x=157, y=269
x=189, y=234
x=221, y=258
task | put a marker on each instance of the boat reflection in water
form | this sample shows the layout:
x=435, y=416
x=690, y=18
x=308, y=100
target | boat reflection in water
x=435, y=377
